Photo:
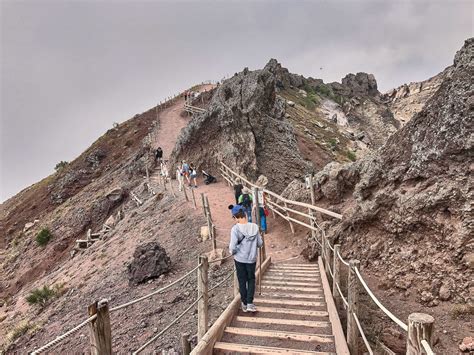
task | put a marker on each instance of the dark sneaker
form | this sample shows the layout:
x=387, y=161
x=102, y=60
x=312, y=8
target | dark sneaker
x=251, y=308
x=244, y=307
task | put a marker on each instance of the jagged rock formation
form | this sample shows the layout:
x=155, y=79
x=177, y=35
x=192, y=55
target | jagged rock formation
x=245, y=126
x=408, y=208
x=150, y=261
x=408, y=99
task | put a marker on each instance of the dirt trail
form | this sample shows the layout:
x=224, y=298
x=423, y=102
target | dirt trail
x=281, y=245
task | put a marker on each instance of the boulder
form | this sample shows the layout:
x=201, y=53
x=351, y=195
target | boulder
x=150, y=261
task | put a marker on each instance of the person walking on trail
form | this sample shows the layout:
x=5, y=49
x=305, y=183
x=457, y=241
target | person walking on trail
x=244, y=242
x=185, y=169
x=245, y=200
x=238, y=189
x=193, y=174
x=180, y=178
x=261, y=209
x=159, y=155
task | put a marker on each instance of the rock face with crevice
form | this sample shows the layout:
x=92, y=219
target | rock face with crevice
x=408, y=207
x=245, y=126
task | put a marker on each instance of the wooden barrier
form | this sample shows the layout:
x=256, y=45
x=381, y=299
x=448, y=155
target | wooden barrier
x=420, y=327
x=353, y=300
x=100, y=330
x=203, y=303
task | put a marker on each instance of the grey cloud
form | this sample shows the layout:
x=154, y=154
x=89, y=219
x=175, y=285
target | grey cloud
x=71, y=68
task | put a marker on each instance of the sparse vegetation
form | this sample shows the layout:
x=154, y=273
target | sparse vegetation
x=61, y=165
x=333, y=143
x=42, y=296
x=351, y=155
x=17, y=331
x=43, y=237
x=459, y=310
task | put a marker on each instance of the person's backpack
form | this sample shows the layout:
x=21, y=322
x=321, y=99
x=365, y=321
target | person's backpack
x=246, y=202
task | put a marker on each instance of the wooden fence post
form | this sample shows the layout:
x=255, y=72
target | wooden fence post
x=185, y=345
x=257, y=207
x=203, y=199
x=336, y=269
x=328, y=255
x=171, y=188
x=420, y=327
x=236, y=283
x=100, y=331
x=194, y=199
x=203, y=303
x=210, y=225
x=353, y=300
x=185, y=193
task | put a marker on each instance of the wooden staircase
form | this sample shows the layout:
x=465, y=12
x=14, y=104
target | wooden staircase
x=295, y=315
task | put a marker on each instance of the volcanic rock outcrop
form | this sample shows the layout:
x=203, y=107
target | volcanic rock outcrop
x=408, y=208
x=245, y=127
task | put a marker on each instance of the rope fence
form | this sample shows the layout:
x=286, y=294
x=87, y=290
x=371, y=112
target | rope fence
x=332, y=260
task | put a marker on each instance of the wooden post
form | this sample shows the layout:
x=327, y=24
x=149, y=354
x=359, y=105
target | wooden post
x=185, y=193
x=328, y=255
x=257, y=207
x=203, y=303
x=210, y=225
x=336, y=269
x=194, y=199
x=288, y=215
x=420, y=327
x=236, y=283
x=203, y=199
x=163, y=178
x=353, y=300
x=100, y=331
x=171, y=188
x=185, y=345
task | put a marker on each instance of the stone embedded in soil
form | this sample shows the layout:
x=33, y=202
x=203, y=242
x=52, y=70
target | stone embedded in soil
x=467, y=344
x=150, y=261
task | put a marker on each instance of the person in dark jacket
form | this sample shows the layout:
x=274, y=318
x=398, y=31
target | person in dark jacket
x=159, y=155
x=244, y=242
x=238, y=190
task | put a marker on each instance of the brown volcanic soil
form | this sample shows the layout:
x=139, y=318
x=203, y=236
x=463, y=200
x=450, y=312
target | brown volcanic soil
x=100, y=271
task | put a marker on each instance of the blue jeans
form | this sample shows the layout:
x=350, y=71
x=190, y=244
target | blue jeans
x=248, y=212
x=263, y=219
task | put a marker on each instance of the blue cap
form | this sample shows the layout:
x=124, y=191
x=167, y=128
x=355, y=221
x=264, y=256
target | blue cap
x=236, y=209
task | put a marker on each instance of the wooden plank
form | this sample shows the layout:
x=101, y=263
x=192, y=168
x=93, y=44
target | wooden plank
x=288, y=302
x=256, y=349
x=309, y=264
x=299, y=312
x=327, y=339
x=99, y=329
x=316, y=290
x=291, y=271
x=283, y=283
x=294, y=322
x=214, y=333
x=287, y=266
x=339, y=339
x=291, y=275
x=298, y=279
x=293, y=296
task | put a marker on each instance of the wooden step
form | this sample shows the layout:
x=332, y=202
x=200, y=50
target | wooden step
x=316, y=290
x=293, y=272
x=256, y=349
x=284, y=283
x=286, y=264
x=281, y=335
x=299, y=312
x=288, y=302
x=310, y=296
x=298, y=279
x=294, y=322
x=288, y=267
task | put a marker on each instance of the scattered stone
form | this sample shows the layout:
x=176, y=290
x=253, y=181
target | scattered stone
x=204, y=233
x=290, y=103
x=467, y=345
x=149, y=262
x=444, y=293
x=302, y=92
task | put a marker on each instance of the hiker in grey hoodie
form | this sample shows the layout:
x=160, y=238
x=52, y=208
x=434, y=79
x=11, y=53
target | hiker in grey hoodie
x=244, y=241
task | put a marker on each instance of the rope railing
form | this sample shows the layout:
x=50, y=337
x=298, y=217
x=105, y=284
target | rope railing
x=140, y=349
x=63, y=336
x=326, y=251
x=154, y=292
x=378, y=303
x=362, y=334
x=220, y=259
x=222, y=282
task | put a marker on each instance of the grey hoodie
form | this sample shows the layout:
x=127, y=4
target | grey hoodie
x=244, y=240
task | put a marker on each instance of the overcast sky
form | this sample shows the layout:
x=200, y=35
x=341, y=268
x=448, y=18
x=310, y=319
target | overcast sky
x=69, y=69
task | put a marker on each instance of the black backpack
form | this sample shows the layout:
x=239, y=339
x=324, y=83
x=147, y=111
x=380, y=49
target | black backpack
x=246, y=202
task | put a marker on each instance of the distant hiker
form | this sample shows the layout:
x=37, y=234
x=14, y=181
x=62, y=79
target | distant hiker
x=245, y=200
x=193, y=174
x=159, y=155
x=180, y=178
x=164, y=169
x=244, y=241
x=185, y=169
x=238, y=189
x=262, y=210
